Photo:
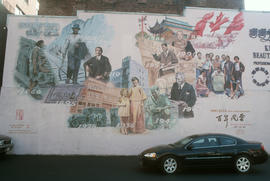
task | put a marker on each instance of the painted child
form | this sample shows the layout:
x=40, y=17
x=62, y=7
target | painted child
x=124, y=111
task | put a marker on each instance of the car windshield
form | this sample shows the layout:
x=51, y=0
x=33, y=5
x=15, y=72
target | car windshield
x=184, y=140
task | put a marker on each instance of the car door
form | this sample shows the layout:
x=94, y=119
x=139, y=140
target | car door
x=202, y=151
x=227, y=149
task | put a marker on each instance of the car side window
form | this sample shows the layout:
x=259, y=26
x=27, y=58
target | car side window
x=226, y=141
x=213, y=141
x=205, y=142
x=200, y=143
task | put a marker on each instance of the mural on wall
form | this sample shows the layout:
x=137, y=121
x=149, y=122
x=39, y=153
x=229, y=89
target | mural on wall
x=153, y=94
x=177, y=75
x=73, y=48
x=132, y=80
x=41, y=67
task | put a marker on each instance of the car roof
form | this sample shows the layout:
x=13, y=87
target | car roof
x=214, y=134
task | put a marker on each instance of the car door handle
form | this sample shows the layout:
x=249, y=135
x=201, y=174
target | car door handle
x=211, y=152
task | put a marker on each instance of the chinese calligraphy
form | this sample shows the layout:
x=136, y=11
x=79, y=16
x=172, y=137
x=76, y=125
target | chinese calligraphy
x=263, y=34
x=19, y=114
x=37, y=29
x=235, y=117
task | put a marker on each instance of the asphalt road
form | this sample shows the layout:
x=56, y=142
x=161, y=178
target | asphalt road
x=95, y=168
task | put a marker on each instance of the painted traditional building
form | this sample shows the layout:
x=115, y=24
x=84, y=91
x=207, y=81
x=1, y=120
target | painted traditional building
x=169, y=27
x=96, y=94
x=133, y=69
x=116, y=77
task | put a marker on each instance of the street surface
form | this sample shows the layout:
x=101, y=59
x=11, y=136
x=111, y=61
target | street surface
x=95, y=168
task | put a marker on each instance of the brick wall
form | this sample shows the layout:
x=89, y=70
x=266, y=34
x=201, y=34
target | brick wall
x=70, y=7
x=226, y=4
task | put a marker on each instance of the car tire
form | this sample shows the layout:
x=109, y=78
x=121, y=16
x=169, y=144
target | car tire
x=242, y=164
x=169, y=165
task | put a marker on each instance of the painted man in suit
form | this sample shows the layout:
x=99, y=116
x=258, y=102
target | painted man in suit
x=98, y=67
x=238, y=69
x=167, y=56
x=184, y=95
x=228, y=69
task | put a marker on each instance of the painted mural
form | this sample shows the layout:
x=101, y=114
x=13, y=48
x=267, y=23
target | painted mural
x=116, y=77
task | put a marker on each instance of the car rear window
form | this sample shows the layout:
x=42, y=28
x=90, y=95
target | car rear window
x=227, y=141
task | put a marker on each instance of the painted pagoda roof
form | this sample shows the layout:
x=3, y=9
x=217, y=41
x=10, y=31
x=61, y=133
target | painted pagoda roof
x=177, y=22
x=170, y=22
x=157, y=28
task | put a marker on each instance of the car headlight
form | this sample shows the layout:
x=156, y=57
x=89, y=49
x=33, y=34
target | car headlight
x=150, y=155
x=1, y=142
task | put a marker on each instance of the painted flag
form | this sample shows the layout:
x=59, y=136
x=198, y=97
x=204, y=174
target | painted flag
x=219, y=21
x=200, y=26
x=236, y=25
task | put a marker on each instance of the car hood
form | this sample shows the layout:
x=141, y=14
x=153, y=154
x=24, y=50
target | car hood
x=159, y=149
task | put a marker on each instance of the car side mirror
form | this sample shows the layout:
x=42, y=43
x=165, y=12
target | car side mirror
x=189, y=147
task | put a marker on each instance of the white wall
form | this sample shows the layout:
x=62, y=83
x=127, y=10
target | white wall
x=44, y=127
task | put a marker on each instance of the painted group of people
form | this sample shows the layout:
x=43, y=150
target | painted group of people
x=219, y=74
x=97, y=67
x=134, y=101
x=131, y=108
x=181, y=49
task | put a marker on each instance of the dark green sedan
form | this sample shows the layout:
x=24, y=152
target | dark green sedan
x=205, y=150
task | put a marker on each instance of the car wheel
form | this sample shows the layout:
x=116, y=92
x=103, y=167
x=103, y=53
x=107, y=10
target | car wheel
x=242, y=164
x=169, y=165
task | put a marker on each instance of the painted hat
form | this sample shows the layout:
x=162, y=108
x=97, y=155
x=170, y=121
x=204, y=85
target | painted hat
x=76, y=26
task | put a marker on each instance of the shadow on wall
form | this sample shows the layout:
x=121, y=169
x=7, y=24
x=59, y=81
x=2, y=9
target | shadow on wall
x=3, y=38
